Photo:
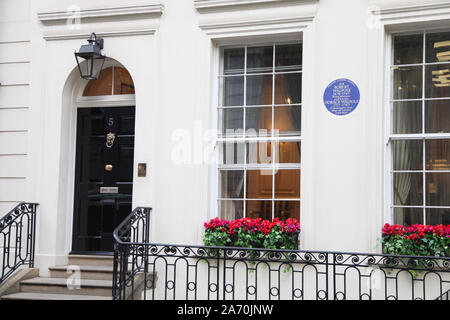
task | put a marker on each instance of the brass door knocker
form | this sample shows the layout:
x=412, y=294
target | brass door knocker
x=110, y=137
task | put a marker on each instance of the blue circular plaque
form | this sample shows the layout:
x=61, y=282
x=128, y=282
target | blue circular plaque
x=341, y=97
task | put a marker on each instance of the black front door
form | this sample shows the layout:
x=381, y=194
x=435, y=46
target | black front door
x=103, y=176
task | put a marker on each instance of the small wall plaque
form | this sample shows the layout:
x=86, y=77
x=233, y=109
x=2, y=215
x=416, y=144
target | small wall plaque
x=142, y=170
x=341, y=97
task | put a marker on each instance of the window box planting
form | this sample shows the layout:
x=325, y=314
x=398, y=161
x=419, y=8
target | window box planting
x=252, y=233
x=416, y=240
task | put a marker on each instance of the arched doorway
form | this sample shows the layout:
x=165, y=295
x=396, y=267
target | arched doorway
x=103, y=179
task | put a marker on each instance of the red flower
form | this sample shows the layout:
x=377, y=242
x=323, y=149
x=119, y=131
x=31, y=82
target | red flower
x=253, y=225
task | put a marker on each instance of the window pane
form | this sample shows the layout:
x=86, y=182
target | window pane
x=232, y=121
x=437, y=116
x=231, y=209
x=408, y=216
x=408, y=189
x=233, y=61
x=259, y=59
x=288, y=120
x=407, y=82
x=232, y=183
x=438, y=47
x=438, y=216
x=231, y=153
x=259, y=184
x=407, y=117
x=288, y=57
x=287, y=152
x=259, y=90
x=257, y=119
x=287, y=184
x=259, y=209
x=408, y=49
x=259, y=152
x=438, y=189
x=437, y=83
x=407, y=154
x=438, y=154
x=288, y=88
x=123, y=84
x=287, y=209
x=100, y=87
x=232, y=91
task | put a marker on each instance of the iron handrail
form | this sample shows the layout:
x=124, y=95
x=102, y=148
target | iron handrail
x=136, y=227
x=126, y=224
x=17, y=238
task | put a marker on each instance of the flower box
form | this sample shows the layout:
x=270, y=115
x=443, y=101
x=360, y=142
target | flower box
x=252, y=233
x=416, y=240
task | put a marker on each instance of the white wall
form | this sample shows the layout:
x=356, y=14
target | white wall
x=343, y=201
x=14, y=102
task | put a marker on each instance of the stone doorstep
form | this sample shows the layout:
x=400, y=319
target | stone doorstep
x=90, y=260
x=51, y=296
x=85, y=272
x=12, y=284
x=96, y=273
x=59, y=286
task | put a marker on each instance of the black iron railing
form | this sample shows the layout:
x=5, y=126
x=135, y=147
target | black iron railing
x=222, y=273
x=129, y=261
x=17, y=238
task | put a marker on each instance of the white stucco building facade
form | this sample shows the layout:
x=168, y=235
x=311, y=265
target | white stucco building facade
x=174, y=52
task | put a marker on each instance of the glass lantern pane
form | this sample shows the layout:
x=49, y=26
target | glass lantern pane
x=97, y=65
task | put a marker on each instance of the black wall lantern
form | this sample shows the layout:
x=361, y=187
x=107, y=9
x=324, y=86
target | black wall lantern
x=92, y=55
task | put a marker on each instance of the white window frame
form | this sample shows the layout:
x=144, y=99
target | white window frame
x=389, y=216
x=246, y=139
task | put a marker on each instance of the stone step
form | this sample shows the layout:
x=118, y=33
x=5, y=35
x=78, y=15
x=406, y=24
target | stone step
x=50, y=296
x=91, y=260
x=60, y=286
x=85, y=272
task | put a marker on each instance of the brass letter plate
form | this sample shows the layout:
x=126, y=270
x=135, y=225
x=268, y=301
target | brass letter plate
x=109, y=189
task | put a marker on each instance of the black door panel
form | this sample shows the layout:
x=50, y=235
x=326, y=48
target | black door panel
x=104, y=163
